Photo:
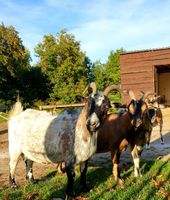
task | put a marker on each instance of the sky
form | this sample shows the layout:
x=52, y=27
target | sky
x=101, y=26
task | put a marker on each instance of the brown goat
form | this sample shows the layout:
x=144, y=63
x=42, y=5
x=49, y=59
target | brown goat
x=116, y=131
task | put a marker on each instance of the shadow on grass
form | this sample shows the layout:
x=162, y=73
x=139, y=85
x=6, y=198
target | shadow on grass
x=54, y=185
x=99, y=174
x=94, y=179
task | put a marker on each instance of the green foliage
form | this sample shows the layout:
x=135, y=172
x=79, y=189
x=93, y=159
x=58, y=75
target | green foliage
x=66, y=66
x=154, y=184
x=62, y=73
x=14, y=58
x=34, y=86
x=108, y=73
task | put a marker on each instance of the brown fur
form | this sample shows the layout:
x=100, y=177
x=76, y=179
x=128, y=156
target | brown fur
x=113, y=137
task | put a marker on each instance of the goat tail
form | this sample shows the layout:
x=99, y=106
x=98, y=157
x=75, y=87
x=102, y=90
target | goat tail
x=16, y=109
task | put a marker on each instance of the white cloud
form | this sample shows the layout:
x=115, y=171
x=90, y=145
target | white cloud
x=101, y=26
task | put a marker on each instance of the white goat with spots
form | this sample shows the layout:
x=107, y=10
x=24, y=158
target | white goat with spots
x=70, y=137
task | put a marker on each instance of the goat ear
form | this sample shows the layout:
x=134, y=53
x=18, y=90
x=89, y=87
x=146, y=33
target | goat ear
x=144, y=107
x=131, y=108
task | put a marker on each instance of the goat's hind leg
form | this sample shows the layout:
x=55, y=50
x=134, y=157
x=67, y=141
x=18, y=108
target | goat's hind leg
x=29, y=171
x=160, y=131
x=14, y=157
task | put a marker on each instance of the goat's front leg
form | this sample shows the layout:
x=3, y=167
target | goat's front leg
x=115, y=156
x=83, y=170
x=147, y=139
x=70, y=184
x=136, y=160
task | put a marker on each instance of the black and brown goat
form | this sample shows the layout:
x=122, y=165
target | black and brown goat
x=157, y=118
x=115, y=133
x=141, y=136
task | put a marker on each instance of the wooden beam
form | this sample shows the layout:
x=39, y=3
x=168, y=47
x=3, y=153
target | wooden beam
x=48, y=107
x=1, y=115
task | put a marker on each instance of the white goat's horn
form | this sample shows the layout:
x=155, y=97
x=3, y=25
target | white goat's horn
x=91, y=85
x=111, y=88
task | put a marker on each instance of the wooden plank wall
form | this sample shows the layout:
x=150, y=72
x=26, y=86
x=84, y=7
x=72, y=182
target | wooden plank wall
x=137, y=70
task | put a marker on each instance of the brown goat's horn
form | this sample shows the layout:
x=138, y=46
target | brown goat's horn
x=155, y=99
x=131, y=94
x=91, y=85
x=145, y=95
x=111, y=88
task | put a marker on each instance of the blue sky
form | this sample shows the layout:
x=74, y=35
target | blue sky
x=99, y=25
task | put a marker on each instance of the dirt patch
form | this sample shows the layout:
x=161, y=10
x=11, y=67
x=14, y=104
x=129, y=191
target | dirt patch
x=156, y=151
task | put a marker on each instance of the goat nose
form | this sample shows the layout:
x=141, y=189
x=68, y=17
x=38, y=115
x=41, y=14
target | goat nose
x=93, y=123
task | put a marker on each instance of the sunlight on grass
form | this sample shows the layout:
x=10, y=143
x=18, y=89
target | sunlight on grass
x=154, y=184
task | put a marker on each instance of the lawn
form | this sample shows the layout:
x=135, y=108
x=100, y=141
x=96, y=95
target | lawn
x=154, y=184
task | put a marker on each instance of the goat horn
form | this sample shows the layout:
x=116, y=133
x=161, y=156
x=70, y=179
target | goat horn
x=91, y=85
x=155, y=99
x=142, y=92
x=131, y=94
x=145, y=95
x=111, y=88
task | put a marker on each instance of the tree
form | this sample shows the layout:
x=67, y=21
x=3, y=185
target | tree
x=13, y=59
x=66, y=66
x=34, y=86
x=112, y=67
x=108, y=73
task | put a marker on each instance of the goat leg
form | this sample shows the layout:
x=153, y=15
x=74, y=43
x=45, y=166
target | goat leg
x=161, y=136
x=70, y=184
x=136, y=160
x=83, y=170
x=29, y=171
x=115, y=170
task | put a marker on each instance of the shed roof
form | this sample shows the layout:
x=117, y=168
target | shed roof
x=145, y=50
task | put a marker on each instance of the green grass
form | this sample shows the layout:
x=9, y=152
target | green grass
x=153, y=185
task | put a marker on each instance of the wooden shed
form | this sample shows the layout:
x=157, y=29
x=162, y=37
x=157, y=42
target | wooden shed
x=147, y=70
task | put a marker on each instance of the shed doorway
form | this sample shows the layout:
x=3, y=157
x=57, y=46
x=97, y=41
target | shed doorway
x=162, y=83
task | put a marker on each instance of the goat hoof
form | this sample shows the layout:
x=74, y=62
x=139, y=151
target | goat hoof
x=33, y=181
x=120, y=181
x=70, y=196
x=14, y=186
x=84, y=189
